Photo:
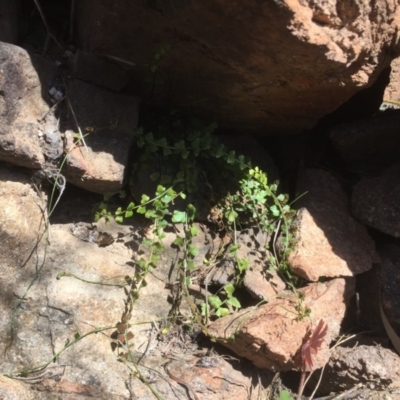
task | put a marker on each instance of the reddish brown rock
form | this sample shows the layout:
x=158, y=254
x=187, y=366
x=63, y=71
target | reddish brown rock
x=262, y=284
x=110, y=118
x=375, y=201
x=272, y=67
x=213, y=378
x=272, y=334
x=328, y=240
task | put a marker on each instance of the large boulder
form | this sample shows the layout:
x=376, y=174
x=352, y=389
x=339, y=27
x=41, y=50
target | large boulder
x=272, y=67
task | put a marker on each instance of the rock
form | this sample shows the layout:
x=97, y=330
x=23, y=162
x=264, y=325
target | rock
x=55, y=311
x=69, y=306
x=252, y=246
x=372, y=366
x=13, y=390
x=328, y=241
x=224, y=273
x=375, y=201
x=110, y=118
x=42, y=311
x=22, y=228
x=9, y=21
x=22, y=223
x=262, y=284
x=99, y=71
x=392, y=92
x=267, y=69
x=214, y=378
x=27, y=127
x=272, y=334
x=369, y=143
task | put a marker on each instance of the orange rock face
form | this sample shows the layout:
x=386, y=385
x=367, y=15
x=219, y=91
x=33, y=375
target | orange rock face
x=270, y=67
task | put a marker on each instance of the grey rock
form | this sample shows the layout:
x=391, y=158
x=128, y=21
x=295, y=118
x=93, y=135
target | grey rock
x=374, y=367
x=49, y=302
x=28, y=131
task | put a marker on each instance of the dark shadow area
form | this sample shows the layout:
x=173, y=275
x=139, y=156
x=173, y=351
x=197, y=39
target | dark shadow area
x=75, y=205
x=33, y=34
x=364, y=104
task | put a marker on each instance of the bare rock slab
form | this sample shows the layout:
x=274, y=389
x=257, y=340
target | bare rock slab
x=375, y=201
x=110, y=118
x=328, y=240
x=272, y=334
x=23, y=128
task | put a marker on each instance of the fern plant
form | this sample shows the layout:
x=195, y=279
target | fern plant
x=197, y=177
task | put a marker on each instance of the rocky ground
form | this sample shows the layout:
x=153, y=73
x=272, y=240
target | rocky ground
x=83, y=318
x=65, y=294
